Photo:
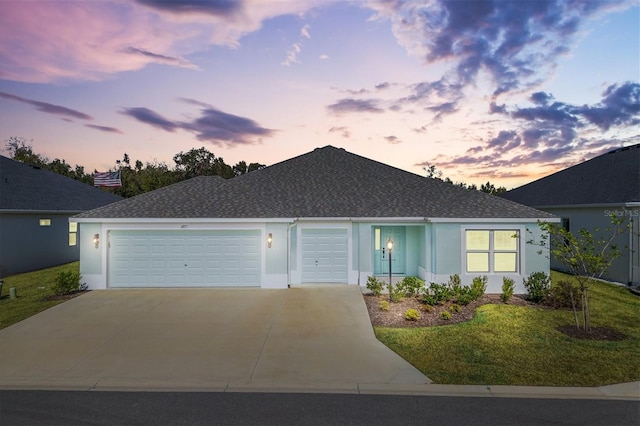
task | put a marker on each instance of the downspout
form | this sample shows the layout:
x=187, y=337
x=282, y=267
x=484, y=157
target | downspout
x=631, y=253
x=289, y=252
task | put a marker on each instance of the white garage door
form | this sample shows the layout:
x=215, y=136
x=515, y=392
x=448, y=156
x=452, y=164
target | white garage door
x=184, y=258
x=324, y=255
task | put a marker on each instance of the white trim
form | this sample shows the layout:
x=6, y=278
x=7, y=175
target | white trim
x=588, y=206
x=186, y=220
x=492, y=220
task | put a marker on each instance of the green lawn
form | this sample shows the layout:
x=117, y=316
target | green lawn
x=514, y=345
x=32, y=288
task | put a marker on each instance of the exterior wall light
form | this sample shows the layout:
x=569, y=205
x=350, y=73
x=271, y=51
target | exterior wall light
x=96, y=240
x=269, y=240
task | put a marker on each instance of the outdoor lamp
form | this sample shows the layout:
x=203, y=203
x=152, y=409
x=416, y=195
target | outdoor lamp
x=96, y=240
x=269, y=240
x=390, y=248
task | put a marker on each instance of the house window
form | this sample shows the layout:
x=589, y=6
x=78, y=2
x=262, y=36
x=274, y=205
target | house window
x=566, y=224
x=73, y=233
x=45, y=222
x=491, y=250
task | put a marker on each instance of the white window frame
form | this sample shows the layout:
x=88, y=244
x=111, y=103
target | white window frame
x=519, y=249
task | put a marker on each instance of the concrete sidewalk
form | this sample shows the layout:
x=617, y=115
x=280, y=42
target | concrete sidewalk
x=307, y=339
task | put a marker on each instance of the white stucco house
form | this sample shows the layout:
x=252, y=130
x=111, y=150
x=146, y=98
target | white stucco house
x=322, y=217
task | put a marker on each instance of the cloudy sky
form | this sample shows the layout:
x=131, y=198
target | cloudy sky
x=505, y=91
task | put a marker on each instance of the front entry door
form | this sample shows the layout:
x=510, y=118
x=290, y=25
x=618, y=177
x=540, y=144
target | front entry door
x=381, y=235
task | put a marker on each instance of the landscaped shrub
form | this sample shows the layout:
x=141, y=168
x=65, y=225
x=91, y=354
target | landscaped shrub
x=464, y=296
x=507, y=289
x=478, y=287
x=429, y=299
x=455, y=308
x=445, y=315
x=412, y=286
x=66, y=282
x=455, y=284
x=375, y=286
x=538, y=286
x=441, y=292
x=411, y=315
x=561, y=294
x=426, y=308
x=396, y=292
x=384, y=305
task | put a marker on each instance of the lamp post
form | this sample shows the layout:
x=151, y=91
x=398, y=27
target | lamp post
x=390, y=249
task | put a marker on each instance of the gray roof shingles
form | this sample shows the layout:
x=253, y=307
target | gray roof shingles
x=24, y=187
x=327, y=182
x=611, y=178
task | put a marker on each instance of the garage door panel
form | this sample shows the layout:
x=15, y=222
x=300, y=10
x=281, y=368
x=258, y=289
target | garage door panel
x=324, y=255
x=184, y=258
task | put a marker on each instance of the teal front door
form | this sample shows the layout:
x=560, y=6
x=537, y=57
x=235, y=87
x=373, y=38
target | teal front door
x=381, y=255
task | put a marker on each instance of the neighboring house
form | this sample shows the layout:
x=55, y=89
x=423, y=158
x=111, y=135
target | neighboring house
x=322, y=217
x=35, y=207
x=587, y=195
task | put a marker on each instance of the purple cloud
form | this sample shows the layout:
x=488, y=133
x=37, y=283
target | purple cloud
x=344, y=106
x=215, y=7
x=393, y=140
x=104, y=128
x=49, y=108
x=344, y=131
x=222, y=128
x=150, y=117
x=169, y=60
x=212, y=125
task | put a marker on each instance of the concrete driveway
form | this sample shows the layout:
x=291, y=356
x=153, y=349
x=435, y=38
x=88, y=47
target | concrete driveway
x=217, y=339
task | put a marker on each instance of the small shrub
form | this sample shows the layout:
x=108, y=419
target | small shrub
x=412, y=315
x=441, y=292
x=478, y=287
x=66, y=282
x=455, y=308
x=464, y=296
x=560, y=295
x=426, y=308
x=375, y=286
x=412, y=286
x=384, y=305
x=445, y=315
x=396, y=292
x=455, y=284
x=507, y=289
x=538, y=286
x=429, y=299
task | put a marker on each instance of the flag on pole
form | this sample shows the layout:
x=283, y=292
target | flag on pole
x=110, y=179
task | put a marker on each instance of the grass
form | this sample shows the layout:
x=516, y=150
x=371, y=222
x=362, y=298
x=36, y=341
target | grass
x=32, y=289
x=517, y=345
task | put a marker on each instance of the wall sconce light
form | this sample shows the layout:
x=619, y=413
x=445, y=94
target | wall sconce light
x=269, y=240
x=96, y=240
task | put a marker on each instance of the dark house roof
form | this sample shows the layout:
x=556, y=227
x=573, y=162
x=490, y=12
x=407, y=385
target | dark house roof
x=611, y=178
x=326, y=182
x=24, y=187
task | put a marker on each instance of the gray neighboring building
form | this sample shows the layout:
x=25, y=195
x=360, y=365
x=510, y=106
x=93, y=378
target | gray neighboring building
x=587, y=195
x=35, y=207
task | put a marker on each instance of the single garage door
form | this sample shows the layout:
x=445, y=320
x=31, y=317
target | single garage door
x=324, y=255
x=184, y=258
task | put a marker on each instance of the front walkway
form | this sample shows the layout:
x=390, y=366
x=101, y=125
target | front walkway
x=315, y=337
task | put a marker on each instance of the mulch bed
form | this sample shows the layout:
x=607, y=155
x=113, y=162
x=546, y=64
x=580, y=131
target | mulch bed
x=394, y=317
x=65, y=296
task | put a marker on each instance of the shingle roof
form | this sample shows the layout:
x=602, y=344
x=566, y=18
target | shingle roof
x=612, y=178
x=25, y=187
x=326, y=182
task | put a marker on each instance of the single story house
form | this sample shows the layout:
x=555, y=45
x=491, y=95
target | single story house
x=35, y=207
x=322, y=217
x=587, y=195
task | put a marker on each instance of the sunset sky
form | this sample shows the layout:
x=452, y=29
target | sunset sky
x=505, y=91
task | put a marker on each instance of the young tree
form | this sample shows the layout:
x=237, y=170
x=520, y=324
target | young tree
x=587, y=255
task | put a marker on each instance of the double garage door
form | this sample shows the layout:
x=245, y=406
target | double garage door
x=184, y=258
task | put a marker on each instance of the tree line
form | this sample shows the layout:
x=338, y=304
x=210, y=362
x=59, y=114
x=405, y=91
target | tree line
x=137, y=177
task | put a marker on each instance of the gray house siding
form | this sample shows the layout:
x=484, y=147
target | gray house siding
x=27, y=246
x=625, y=269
